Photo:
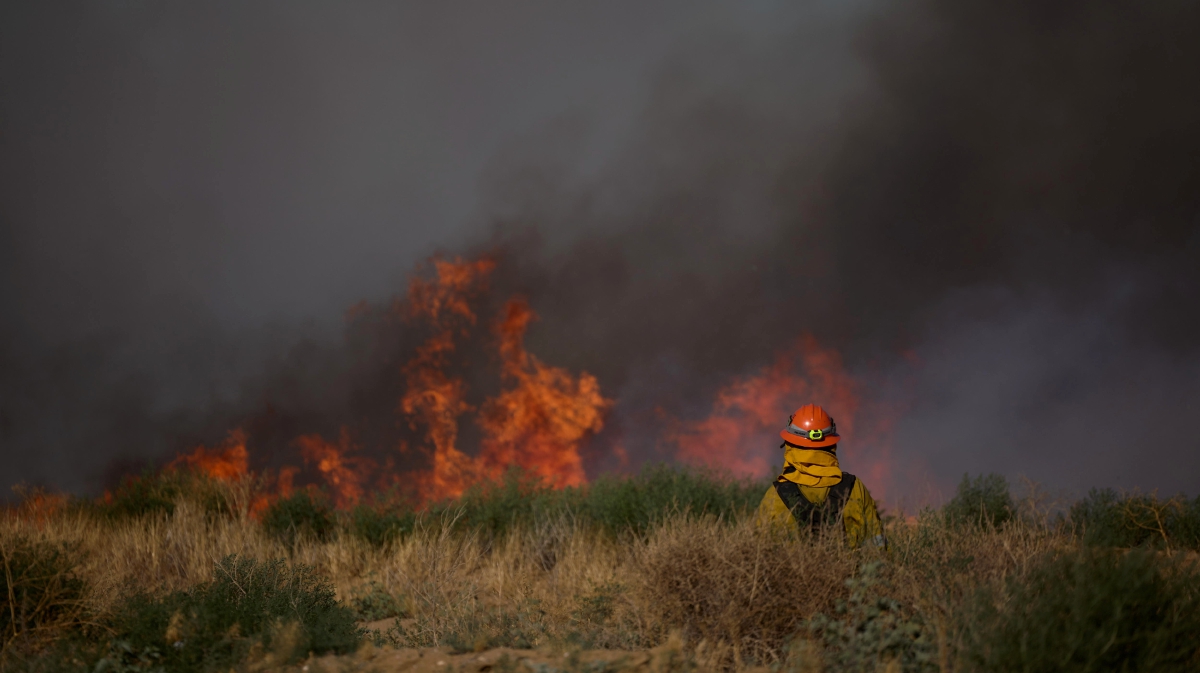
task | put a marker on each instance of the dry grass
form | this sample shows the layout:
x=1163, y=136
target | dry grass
x=736, y=594
x=934, y=568
x=736, y=586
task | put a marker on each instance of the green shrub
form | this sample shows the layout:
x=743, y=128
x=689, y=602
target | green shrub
x=157, y=493
x=1106, y=519
x=982, y=501
x=637, y=504
x=1100, y=519
x=149, y=494
x=1184, y=524
x=868, y=631
x=249, y=606
x=1089, y=610
x=374, y=602
x=40, y=594
x=615, y=504
x=517, y=499
x=302, y=514
x=380, y=526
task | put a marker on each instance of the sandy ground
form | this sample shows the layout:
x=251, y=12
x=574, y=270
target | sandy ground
x=664, y=659
x=500, y=660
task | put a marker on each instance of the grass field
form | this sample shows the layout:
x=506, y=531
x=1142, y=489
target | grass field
x=662, y=571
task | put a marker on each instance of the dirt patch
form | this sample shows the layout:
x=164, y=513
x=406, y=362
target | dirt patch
x=667, y=658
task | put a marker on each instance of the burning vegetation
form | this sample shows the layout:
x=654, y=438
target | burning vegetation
x=748, y=412
x=668, y=561
x=454, y=426
x=536, y=422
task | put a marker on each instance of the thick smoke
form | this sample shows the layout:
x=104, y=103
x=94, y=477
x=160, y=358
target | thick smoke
x=1011, y=198
x=188, y=192
x=992, y=209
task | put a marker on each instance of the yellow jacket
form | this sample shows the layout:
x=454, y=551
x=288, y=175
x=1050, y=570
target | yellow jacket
x=858, y=514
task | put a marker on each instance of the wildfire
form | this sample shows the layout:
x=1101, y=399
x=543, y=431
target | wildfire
x=539, y=423
x=345, y=474
x=38, y=506
x=229, y=462
x=541, y=414
x=741, y=433
x=279, y=485
x=536, y=424
x=537, y=420
x=434, y=400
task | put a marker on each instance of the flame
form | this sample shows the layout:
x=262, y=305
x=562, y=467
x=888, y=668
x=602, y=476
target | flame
x=271, y=489
x=542, y=414
x=450, y=295
x=345, y=474
x=539, y=423
x=228, y=463
x=740, y=435
x=433, y=399
x=38, y=505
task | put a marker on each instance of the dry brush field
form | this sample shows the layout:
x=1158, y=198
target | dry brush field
x=661, y=572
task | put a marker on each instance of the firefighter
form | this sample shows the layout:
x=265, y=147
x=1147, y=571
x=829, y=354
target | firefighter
x=813, y=491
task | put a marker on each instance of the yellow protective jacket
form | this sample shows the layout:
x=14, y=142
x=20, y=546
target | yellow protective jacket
x=850, y=505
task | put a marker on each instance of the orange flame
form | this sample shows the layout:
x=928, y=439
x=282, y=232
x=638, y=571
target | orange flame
x=344, y=473
x=741, y=433
x=543, y=414
x=229, y=463
x=282, y=488
x=450, y=295
x=38, y=506
x=539, y=423
x=433, y=399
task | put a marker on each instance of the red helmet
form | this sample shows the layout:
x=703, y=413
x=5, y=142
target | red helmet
x=810, y=426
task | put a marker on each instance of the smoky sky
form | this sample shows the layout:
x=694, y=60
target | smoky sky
x=991, y=209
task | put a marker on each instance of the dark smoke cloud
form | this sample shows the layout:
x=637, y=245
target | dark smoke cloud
x=189, y=190
x=991, y=208
x=1013, y=197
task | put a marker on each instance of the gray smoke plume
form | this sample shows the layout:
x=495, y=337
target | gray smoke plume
x=1009, y=195
x=991, y=209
